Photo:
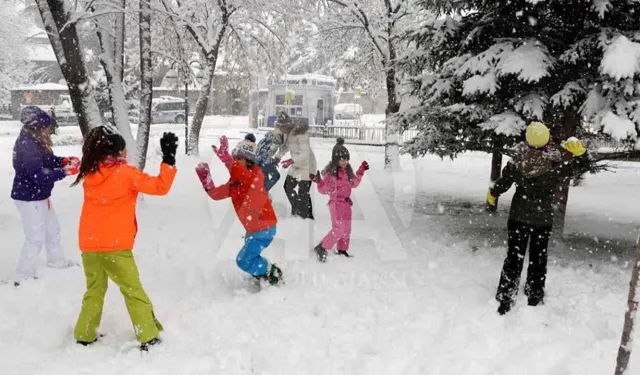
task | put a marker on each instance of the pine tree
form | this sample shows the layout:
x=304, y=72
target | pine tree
x=480, y=78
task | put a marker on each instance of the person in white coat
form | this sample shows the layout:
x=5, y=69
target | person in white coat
x=302, y=163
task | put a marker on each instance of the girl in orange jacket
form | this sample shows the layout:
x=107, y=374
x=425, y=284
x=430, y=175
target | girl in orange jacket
x=108, y=228
x=251, y=203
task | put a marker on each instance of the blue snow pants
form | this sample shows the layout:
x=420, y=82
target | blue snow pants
x=271, y=175
x=249, y=259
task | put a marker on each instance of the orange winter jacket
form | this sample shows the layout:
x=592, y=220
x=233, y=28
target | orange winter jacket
x=108, y=220
x=249, y=197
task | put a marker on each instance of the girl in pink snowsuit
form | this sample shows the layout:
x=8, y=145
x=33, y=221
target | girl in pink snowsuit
x=337, y=181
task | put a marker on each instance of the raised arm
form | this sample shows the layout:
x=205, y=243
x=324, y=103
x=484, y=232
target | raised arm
x=158, y=185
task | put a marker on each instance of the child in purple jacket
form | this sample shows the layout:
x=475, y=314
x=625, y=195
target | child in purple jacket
x=36, y=171
x=337, y=181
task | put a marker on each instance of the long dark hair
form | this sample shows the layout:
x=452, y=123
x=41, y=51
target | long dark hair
x=100, y=144
x=334, y=167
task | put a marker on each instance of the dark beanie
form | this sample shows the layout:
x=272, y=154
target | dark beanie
x=339, y=151
x=113, y=142
x=250, y=137
x=35, y=118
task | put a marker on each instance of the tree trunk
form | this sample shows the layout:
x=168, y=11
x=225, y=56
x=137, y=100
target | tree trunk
x=64, y=39
x=201, y=106
x=496, y=168
x=119, y=41
x=626, y=342
x=109, y=60
x=146, y=83
x=391, y=145
x=568, y=121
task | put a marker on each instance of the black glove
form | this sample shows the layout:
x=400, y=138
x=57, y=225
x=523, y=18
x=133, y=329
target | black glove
x=315, y=177
x=169, y=145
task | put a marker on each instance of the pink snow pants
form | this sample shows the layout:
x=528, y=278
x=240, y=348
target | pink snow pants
x=340, y=232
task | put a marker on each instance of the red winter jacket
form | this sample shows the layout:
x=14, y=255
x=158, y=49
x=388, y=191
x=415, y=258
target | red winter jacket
x=249, y=197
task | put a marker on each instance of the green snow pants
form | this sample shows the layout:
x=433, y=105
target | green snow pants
x=120, y=267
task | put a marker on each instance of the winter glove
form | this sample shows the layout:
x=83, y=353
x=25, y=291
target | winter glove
x=169, y=145
x=315, y=177
x=71, y=169
x=204, y=174
x=363, y=167
x=70, y=160
x=287, y=163
x=223, y=151
x=275, y=161
x=491, y=202
x=574, y=146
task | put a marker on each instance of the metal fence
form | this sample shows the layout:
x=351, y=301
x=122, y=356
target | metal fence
x=368, y=135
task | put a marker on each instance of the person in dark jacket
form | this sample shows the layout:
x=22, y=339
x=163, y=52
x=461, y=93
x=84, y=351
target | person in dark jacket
x=272, y=148
x=36, y=171
x=536, y=169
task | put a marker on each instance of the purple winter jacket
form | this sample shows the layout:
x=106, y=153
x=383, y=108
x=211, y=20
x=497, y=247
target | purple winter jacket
x=36, y=169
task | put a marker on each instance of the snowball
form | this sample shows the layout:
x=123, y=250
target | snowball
x=530, y=62
x=618, y=127
x=621, y=58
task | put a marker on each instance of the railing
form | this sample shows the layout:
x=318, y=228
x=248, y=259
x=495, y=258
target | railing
x=359, y=134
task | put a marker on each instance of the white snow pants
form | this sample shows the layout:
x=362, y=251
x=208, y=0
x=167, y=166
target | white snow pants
x=41, y=229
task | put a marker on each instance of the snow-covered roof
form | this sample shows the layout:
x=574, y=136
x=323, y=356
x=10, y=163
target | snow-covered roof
x=303, y=80
x=41, y=52
x=42, y=87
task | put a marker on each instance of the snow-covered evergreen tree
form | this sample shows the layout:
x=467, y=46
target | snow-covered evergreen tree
x=481, y=77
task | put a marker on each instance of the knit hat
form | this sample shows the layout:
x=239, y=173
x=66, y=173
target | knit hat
x=284, y=122
x=339, y=151
x=35, y=118
x=537, y=134
x=245, y=149
x=250, y=137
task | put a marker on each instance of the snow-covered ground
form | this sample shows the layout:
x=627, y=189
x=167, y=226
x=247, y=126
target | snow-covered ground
x=415, y=299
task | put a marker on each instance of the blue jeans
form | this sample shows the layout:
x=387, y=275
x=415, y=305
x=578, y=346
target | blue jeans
x=249, y=259
x=271, y=175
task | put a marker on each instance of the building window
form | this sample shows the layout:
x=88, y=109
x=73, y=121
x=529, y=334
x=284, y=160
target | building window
x=294, y=109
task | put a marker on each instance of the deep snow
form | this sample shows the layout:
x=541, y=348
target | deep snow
x=416, y=299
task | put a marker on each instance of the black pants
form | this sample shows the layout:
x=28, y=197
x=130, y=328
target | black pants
x=301, y=199
x=519, y=235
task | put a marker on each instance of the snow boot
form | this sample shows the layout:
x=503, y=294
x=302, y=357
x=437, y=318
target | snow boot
x=345, y=253
x=145, y=346
x=321, y=253
x=504, y=307
x=535, y=301
x=87, y=343
x=275, y=275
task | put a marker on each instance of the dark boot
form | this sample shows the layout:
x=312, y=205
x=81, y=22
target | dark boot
x=345, y=253
x=87, y=343
x=275, y=275
x=145, y=346
x=504, y=307
x=321, y=253
x=535, y=301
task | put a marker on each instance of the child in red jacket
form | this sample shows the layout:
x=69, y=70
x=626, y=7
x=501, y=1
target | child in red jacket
x=251, y=203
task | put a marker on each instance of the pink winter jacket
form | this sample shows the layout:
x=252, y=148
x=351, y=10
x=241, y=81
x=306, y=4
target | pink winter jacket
x=339, y=188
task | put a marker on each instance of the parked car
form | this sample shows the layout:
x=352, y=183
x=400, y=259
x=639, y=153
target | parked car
x=167, y=110
x=347, y=111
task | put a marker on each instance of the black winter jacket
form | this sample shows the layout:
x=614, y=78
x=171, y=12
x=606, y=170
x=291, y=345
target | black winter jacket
x=536, y=173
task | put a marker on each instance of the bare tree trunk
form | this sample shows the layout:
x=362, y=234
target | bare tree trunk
x=392, y=137
x=626, y=342
x=569, y=121
x=496, y=168
x=64, y=39
x=109, y=60
x=146, y=85
x=119, y=41
x=201, y=106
